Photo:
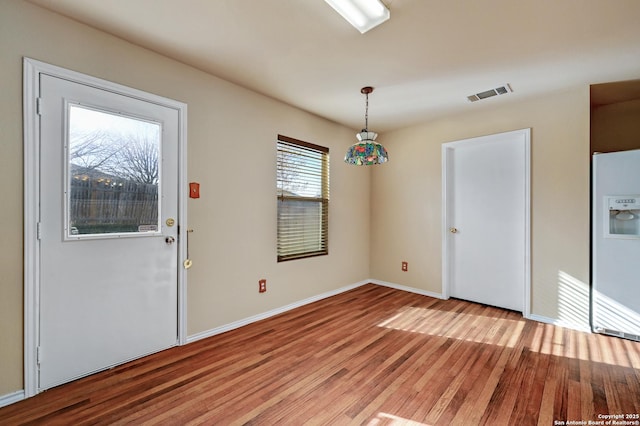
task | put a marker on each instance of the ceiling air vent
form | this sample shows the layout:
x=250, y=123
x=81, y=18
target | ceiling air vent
x=489, y=93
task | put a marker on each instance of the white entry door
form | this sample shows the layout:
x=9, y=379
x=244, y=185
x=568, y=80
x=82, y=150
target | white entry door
x=486, y=219
x=108, y=229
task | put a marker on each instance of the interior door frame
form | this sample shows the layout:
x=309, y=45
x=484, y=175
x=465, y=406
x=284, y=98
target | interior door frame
x=32, y=69
x=447, y=211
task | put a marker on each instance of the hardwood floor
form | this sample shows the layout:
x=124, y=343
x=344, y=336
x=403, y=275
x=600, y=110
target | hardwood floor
x=373, y=356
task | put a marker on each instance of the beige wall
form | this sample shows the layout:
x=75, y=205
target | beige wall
x=616, y=127
x=231, y=152
x=406, y=207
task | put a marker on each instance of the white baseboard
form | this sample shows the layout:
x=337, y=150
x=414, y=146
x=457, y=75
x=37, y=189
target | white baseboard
x=560, y=323
x=408, y=289
x=11, y=398
x=557, y=322
x=273, y=312
x=277, y=311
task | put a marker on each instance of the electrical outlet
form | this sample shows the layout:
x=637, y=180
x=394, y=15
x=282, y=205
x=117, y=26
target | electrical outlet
x=262, y=285
x=405, y=266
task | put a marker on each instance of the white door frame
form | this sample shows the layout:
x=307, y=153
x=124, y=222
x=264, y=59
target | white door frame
x=31, y=92
x=447, y=150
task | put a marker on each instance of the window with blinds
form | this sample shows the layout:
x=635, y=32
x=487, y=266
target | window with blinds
x=303, y=199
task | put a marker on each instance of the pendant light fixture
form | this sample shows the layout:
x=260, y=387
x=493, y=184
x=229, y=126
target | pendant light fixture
x=367, y=151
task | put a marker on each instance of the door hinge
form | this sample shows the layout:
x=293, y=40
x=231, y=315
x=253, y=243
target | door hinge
x=39, y=355
x=39, y=106
x=38, y=231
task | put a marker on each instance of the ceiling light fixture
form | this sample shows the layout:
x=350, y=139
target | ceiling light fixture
x=367, y=151
x=362, y=14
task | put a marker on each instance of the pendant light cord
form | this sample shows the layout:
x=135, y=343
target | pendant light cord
x=366, y=113
x=365, y=91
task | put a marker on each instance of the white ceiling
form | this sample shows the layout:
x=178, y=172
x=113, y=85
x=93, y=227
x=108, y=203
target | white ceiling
x=423, y=62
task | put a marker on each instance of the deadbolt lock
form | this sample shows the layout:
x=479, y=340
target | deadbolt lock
x=170, y=222
x=453, y=230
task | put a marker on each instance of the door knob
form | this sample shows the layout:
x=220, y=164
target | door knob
x=170, y=240
x=453, y=230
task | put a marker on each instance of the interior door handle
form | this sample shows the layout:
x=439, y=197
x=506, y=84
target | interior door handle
x=453, y=230
x=170, y=240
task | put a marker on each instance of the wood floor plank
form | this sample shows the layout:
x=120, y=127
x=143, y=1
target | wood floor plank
x=370, y=356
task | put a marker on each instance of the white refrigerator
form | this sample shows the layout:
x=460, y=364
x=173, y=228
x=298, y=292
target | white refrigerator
x=615, y=296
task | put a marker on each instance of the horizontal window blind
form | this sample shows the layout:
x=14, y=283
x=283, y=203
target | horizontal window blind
x=303, y=199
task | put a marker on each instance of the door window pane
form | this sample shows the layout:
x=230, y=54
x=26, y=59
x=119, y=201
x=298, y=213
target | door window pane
x=114, y=173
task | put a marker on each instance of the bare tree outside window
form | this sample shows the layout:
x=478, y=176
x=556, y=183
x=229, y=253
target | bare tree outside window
x=91, y=151
x=137, y=158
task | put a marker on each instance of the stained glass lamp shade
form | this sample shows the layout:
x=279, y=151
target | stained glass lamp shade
x=366, y=152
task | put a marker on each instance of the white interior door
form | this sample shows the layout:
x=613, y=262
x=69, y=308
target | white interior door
x=108, y=229
x=486, y=219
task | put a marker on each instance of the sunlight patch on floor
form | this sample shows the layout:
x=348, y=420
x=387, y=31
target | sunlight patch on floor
x=384, y=419
x=561, y=342
x=457, y=325
x=546, y=338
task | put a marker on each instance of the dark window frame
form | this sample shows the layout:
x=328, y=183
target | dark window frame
x=302, y=219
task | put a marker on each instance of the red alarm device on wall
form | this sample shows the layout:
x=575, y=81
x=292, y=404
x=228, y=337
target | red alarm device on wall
x=194, y=190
